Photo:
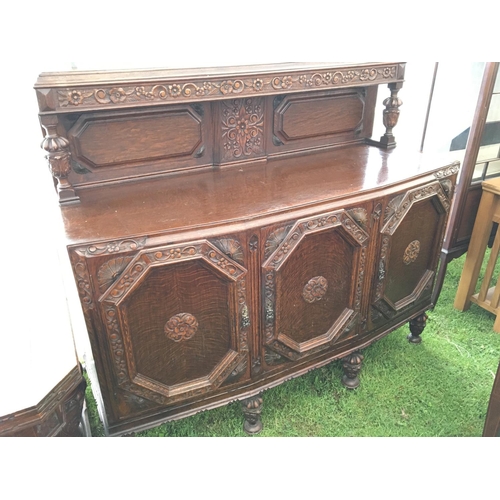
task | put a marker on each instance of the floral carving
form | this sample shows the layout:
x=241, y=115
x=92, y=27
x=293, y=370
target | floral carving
x=411, y=252
x=117, y=95
x=115, y=338
x=285, y=82
x=315, y=289
x=83, y=282
x=360, y=216
x=184, y=90
x=231, y=248
x=113, y=247
x=181, y=327
x=128, y=279
x=447, y=172
x=254, y=243
x=230, y=87
x=274, y=240
x=111, y=270
x=242, y=128
x=258, y=85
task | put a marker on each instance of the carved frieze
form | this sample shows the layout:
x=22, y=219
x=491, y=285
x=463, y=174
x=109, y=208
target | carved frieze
x=112, y=247
x=209, y=88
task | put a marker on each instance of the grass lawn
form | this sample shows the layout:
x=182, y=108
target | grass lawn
x=440, y=387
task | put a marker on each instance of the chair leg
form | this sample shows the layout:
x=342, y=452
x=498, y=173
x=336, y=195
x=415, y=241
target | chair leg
x=475, y=253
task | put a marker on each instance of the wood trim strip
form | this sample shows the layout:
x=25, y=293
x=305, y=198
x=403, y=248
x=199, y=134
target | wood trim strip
x=57, y=414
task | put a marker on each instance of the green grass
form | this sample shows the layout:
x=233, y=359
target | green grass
x=440, y=387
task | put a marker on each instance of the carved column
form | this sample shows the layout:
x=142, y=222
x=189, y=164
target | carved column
x=58, y=157
x=391, y=115
x=352, y=366
x=417, y=326
x=252, y=408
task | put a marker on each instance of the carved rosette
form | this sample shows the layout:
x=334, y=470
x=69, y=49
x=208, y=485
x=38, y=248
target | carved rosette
x=411, y=252
x=242, y=128
x=315, y=289
x=181, y=327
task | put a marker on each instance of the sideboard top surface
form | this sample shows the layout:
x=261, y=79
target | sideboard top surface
x=243, y=195
x=72, y=91
x=64, y=78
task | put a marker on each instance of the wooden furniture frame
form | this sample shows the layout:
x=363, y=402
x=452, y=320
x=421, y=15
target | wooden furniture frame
x=232, y=228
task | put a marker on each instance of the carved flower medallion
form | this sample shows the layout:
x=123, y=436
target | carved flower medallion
x=411, y=252
x=181, y=327
x=315, y=289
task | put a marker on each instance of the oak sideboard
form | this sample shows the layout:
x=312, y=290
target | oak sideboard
x=232, y=228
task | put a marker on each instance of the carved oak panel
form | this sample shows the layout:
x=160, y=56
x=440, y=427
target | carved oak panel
x=101, y=140
x=176, y=321
x=313, y=282
x=324, y=115
x=410, y=240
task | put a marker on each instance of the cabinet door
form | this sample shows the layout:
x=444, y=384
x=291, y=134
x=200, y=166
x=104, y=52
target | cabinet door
x=313, y=276
x=410, y=241
x=176, y=321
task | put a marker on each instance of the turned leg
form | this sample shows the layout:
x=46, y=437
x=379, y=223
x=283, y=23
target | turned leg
x=252, y=408
x=352, y=366
x=417, y=326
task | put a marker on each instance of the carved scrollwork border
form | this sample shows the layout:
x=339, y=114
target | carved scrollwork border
x=112, y=247
x=175, y=90
x=397, y=212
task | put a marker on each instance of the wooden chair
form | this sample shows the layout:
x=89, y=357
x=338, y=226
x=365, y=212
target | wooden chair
x=488, y=297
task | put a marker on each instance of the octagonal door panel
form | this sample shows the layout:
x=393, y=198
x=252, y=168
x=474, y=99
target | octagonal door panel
x=410, y=241
x=177, y=321
x=313, y=280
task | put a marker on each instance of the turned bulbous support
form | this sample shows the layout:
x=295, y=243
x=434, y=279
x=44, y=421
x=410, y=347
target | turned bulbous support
x=58, y=157
x=417, y=326
x=352, y=366
x=391, y=116
x=252, y=409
